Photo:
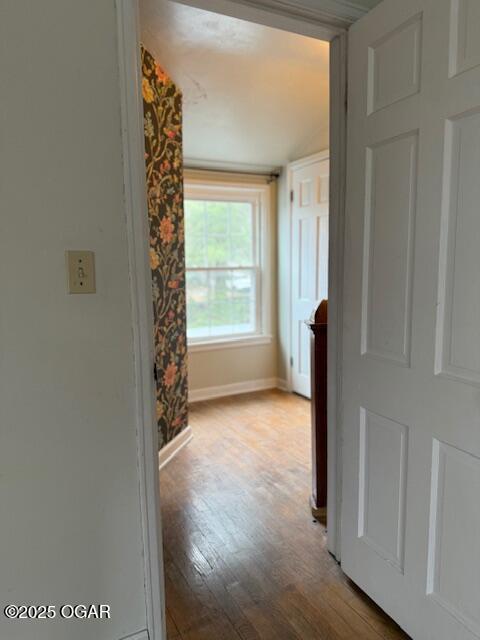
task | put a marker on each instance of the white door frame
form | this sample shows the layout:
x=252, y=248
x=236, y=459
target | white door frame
x=336, y=230
x=274, y=14
x=128, y=35
x=291, y=167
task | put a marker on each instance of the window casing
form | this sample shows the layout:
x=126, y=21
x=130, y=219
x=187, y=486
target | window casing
x=227, y=264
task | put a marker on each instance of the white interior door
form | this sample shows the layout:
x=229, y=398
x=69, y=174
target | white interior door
x=411, y=397
x=309, y=260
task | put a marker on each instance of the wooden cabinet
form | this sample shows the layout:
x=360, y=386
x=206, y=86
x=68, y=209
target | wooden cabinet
x=318, y=340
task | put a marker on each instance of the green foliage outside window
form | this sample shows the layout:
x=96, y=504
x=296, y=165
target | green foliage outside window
x=219, y=239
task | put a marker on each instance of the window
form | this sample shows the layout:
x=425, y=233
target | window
x=225, y=251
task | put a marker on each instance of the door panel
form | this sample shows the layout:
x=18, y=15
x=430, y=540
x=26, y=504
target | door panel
x=391, y=174
x=394, y=65
x=464, y=41
x=309, y=260
x=458, y=339
x=411, y=371
x=382, y=475
x=452, y=571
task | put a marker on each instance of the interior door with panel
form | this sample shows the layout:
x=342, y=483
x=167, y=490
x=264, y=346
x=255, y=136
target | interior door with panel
x=411, y=374
x=310, y=201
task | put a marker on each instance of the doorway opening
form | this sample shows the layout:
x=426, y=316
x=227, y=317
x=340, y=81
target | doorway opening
x=238, y=114
x=268, y=175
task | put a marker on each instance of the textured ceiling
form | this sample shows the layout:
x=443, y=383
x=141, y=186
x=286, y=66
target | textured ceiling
x=252, y=94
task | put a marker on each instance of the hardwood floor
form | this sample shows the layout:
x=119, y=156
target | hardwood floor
x=243, y=556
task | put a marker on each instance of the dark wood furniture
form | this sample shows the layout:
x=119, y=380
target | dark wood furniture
x=318, y=326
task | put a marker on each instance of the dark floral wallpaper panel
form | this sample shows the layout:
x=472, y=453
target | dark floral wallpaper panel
x=162, y=102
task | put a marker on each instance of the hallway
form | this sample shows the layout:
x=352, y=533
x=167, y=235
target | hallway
x=243, y=557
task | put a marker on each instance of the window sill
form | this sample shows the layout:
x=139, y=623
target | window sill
x=229, y=343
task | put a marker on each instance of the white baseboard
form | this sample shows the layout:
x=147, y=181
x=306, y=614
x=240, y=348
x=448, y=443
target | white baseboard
x=208, y=393
x=171, y=449
x=141, y=635
x=282, y=385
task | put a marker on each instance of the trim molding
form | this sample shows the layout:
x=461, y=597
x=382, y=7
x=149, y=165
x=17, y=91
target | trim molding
x=338, y=159
x=171, y=449
x=334, y=14
x=338, y=13
x=136, y=221
x=141, y=635
x=197, y=164
x=222, y=176
x=282, y=14
x=304, y=162
x=237, y=388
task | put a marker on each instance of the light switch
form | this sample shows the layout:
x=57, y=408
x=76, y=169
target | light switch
x=81, y=271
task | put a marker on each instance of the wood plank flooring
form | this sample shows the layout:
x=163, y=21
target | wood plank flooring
x=243, y=557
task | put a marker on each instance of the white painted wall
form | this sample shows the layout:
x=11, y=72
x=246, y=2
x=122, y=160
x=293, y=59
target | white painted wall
x=69, y=506
x=208, y=370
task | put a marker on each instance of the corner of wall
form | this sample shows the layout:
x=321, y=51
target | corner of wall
x=162, y=102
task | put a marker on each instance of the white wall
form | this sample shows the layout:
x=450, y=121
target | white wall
x=238, y=365
x=69, y=507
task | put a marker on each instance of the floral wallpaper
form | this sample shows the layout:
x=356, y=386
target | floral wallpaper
x=162, y=102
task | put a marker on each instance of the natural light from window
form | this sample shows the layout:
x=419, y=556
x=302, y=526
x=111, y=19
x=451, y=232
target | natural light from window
x=222, y=269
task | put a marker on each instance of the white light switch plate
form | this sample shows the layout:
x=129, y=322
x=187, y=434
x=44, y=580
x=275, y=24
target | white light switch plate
x=81, y=271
